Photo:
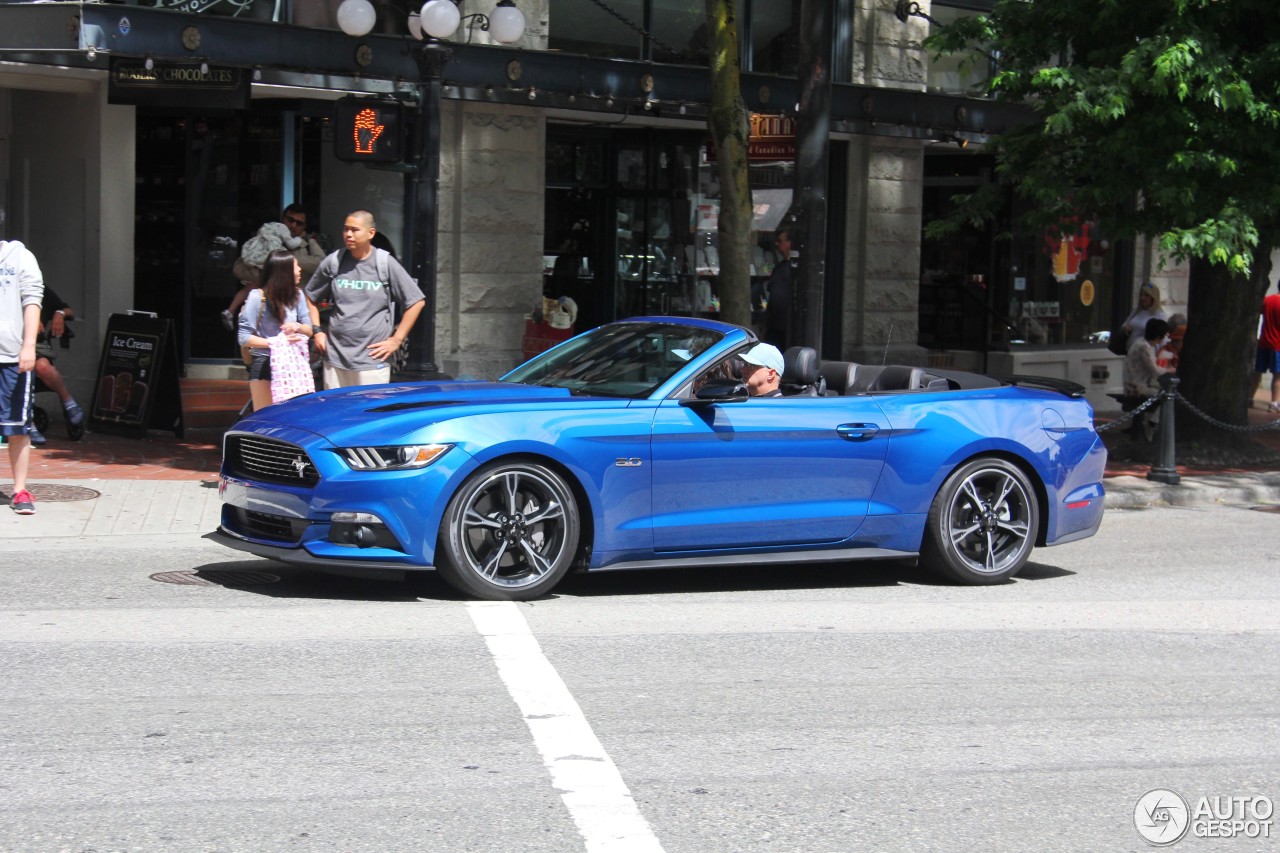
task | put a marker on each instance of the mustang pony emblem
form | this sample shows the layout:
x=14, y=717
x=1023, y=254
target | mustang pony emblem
x=300, y=465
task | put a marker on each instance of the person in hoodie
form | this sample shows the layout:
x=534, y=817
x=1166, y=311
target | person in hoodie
x=21, y=291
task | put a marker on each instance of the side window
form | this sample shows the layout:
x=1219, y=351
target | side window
x=729, y=367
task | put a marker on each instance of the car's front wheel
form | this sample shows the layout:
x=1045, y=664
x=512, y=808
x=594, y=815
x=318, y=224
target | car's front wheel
x=510, y=533
x=982, y=524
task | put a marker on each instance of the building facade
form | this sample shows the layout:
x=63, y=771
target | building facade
x=572, y=163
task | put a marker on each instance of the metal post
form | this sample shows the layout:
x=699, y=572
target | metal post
x=1166, y=469
x=813, y=144
x=425, y=192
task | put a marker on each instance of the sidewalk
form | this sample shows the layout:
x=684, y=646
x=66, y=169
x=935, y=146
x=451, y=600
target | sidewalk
x=1128, y=487
x=159, y=492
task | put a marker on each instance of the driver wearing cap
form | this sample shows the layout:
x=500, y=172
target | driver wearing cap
x=762, y=370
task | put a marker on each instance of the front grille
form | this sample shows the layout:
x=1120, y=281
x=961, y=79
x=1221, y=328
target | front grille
x=261, y=525
x=269, y=460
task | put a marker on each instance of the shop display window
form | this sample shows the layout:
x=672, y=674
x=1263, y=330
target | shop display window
x=640, y=235
x=1001, y=285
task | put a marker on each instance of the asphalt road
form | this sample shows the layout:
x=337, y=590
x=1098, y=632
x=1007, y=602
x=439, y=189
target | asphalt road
x=841, y=708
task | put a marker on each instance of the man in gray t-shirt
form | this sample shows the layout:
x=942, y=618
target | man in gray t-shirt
x=361, y=285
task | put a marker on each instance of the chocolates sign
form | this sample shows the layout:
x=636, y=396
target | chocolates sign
x=233, y=8
x=177, y=84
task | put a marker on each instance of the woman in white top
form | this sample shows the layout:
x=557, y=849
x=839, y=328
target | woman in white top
x=278, y=306
x=1149, y=308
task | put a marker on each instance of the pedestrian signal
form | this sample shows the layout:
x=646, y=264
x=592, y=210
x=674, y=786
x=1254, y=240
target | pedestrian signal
x=367, y=131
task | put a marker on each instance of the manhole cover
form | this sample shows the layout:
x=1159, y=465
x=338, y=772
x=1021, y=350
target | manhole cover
x=190, y=578
x=58, y=494
x=1271, y=508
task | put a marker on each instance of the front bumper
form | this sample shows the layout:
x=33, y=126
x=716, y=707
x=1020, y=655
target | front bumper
x=372, y=569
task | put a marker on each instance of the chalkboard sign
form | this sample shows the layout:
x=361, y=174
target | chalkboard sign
x=137, y=386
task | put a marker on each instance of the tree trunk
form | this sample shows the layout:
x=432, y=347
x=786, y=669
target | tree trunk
x=1217, y=359
x=728, y=124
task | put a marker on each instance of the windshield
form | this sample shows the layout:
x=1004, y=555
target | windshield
x=618, y=360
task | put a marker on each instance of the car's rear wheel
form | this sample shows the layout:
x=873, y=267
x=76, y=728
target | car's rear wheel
x=510, y=533
x=982, y=524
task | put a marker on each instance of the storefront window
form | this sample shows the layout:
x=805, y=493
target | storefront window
x=205, y=184
x=643, y=238
x=989, y=288
x=581, y=26
x=1062, y=285
x=769, y=30
x=775, y=36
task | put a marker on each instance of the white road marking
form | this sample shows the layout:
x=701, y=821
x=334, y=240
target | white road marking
x=586, y=777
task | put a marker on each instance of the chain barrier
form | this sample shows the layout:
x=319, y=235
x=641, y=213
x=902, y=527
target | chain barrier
x=1195, y=410
x=1130, y=415
x=1209, y=419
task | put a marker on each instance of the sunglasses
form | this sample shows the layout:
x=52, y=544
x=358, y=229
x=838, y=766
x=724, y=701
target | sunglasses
x=293, y=220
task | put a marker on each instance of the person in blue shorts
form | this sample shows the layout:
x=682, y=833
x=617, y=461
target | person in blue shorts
x=21, y=291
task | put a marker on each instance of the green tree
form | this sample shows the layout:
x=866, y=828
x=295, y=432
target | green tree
x=729, y=125
x=1159, y=118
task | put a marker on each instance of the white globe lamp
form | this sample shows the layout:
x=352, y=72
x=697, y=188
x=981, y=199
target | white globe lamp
x=415, y=26
x=506, y=23
x=357, y=17
x=440, y=18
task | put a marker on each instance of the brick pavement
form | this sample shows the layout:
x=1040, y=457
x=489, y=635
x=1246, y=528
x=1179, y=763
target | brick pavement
x=160, y=456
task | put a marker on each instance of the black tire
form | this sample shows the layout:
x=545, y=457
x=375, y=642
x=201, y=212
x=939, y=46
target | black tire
x=40, y=418
x=983, y=523
x=510, y=533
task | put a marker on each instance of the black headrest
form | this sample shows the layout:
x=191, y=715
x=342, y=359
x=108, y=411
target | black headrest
x=799, y=366
x=840, y=376
x=897, y=377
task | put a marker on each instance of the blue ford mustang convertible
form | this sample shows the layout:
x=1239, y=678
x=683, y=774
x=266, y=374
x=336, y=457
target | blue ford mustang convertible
x=635, y=445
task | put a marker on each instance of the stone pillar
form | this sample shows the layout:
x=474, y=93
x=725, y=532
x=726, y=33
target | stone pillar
x=490, y=235
x=882, y=239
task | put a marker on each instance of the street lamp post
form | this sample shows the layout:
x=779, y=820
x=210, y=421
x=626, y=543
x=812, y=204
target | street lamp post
x=425, y=190
x=435, y=21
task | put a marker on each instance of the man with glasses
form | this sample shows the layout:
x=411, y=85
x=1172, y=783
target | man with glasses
x=762, y=370
x=248, y=269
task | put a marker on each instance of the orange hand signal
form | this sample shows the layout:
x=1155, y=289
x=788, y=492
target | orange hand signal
x=367, y=130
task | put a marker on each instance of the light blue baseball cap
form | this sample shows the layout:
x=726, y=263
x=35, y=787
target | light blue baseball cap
x=764, y=355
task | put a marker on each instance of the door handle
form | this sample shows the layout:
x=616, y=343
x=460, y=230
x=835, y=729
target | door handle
x=857, y=432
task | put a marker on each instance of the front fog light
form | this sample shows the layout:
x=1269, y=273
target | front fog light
x=362, y=530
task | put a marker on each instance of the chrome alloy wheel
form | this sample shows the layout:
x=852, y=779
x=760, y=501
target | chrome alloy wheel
x=989, y=521
x=982, y=524
x=510, y=532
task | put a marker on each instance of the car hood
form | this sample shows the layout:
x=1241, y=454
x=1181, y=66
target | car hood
x=393, y=413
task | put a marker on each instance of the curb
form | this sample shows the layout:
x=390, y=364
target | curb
x=1130, y=492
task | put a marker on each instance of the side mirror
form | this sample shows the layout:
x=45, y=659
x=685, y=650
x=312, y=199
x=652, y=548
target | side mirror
x=719, y=391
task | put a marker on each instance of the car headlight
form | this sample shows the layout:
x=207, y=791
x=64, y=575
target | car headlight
x=392, y=458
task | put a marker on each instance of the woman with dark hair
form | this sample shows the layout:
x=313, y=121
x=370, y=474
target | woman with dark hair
x=278, y=306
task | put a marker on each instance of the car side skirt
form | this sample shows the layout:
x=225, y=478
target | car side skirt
x=829, y=555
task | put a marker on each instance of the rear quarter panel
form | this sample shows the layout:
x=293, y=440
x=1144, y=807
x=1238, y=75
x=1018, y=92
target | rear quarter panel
x=932, y=433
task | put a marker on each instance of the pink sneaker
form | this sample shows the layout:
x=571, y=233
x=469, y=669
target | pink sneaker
x=22, y=503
